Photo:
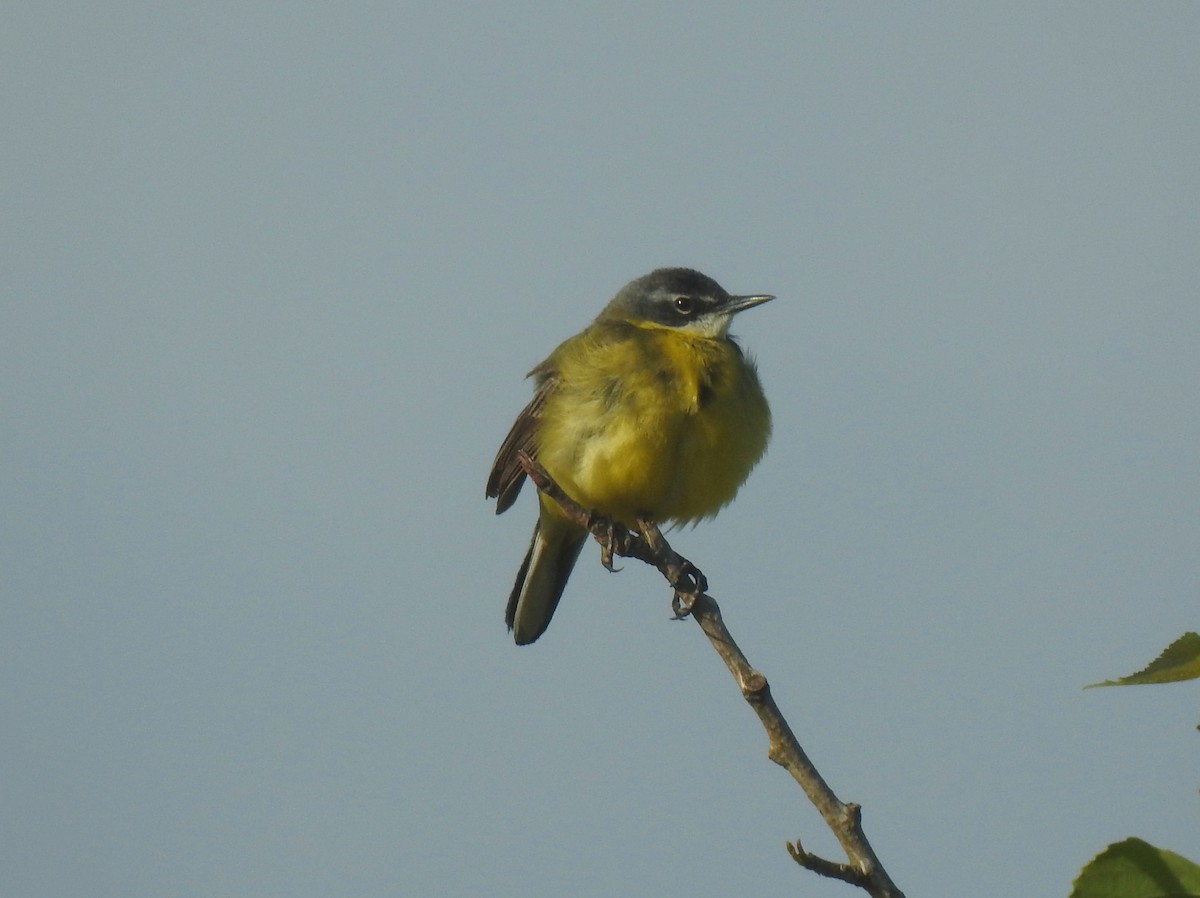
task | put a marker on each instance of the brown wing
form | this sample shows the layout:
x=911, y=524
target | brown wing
x=507, y=477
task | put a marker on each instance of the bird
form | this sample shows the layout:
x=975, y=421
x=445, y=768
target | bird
x=652, y=413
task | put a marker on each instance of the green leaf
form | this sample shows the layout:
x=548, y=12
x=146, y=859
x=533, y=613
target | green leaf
x=1179, y=661
x=1136, y=869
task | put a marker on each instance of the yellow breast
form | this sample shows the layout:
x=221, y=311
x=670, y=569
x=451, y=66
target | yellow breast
x=652, y=422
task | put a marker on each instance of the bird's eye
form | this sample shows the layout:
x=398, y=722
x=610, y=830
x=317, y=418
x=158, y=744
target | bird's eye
x=684, y=305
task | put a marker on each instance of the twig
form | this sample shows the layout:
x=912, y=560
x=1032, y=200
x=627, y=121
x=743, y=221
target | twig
x=845, y=820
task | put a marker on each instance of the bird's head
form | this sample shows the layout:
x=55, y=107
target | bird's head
x=680, y=298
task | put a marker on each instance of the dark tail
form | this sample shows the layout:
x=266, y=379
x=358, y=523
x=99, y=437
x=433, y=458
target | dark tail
x=542, y=578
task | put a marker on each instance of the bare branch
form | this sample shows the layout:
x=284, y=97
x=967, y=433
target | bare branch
x=844, y=820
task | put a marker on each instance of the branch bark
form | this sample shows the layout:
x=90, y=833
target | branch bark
x=863, y=868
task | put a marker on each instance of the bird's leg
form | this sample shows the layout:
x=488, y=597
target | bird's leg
x=687, y=579
x=608, y=545
x=613, y=541
x=651, y=534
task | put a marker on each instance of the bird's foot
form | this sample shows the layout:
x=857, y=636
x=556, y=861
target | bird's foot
x=689, y=582
x=610, y=545
x=687, y=579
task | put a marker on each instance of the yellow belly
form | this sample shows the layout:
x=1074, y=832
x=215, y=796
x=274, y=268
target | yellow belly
x=650, y=423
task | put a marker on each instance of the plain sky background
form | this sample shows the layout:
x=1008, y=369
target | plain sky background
x=273, y=275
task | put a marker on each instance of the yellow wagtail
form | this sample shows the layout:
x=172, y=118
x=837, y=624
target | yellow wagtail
x=651, y=413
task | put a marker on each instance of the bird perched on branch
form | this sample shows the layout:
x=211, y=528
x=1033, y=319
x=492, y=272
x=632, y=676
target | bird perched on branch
x=652, y=413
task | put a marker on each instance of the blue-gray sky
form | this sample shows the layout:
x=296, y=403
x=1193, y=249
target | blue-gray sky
x=273, y=278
